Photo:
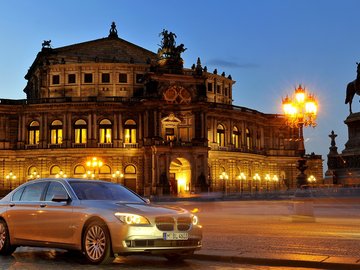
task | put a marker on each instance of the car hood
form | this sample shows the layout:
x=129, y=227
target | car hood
x=136, y=208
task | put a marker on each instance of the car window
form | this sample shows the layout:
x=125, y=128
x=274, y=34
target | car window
x=55, y=188
x=103, y=191
x=17, y=194
x=33, y=192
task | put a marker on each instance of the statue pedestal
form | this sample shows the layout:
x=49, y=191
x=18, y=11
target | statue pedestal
x=344, y=168
x=352, y=146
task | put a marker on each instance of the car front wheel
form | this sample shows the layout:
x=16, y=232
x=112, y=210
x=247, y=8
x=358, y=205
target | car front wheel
x=5, y=247
x=96, y=243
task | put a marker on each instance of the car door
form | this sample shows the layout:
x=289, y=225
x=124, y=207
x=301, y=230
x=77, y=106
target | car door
x=23, y=211
x=56, y=219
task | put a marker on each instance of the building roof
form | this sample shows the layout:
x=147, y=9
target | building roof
x=111, y=49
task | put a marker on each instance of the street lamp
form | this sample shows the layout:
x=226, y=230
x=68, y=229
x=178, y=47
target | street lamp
x=34, y=175
x=224, y=176
x=275, y=179
x=61, y=174
x=242, y=178
x=94, y=164
x=256, y=179
x=10, y=177
x=311, y=179
x=300, y=111
x=117, y=176
x=267, y=179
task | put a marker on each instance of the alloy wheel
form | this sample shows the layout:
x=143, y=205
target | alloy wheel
x=95, y=242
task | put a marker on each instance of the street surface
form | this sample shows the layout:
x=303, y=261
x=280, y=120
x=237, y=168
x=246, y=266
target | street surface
x=260, y=229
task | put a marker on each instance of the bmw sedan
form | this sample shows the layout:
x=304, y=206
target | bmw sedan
x=98, y=218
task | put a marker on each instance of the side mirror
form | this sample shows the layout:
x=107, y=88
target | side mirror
x=146, y=200
x=60, y=198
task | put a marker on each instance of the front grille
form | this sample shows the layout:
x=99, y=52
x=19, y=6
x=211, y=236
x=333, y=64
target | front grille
x=165, y=223
x=163, y=243
x=183, y=223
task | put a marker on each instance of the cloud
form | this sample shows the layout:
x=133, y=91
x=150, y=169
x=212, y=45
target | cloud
x=230, y=64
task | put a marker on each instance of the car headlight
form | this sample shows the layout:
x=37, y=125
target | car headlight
x=131, y=219
x=195, y=220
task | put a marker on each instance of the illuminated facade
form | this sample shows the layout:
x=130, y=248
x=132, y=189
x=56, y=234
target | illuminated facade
x=155, y=126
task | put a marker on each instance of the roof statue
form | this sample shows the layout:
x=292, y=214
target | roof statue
x=113, y=31
x=169, y=54
x=46, y=44
x=353, y=88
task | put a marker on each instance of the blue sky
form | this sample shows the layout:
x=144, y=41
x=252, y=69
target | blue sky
x=268, y=46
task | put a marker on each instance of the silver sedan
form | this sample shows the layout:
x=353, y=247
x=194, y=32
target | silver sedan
x=98, y=218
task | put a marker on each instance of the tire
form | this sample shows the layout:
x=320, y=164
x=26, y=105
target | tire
x=5, y=247
x=96, y=243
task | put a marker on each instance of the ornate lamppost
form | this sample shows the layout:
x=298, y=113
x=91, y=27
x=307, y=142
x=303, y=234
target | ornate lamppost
x=224, y=177
x=117, y=176
x=256, y=179
x=241, y=177
x=311, y=180
x=61, y=174
x=94, y=164
x=300, y=112
x=10, y=177
x=267, y=179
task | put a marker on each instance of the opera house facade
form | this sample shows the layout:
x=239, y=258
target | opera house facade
x=108, y=109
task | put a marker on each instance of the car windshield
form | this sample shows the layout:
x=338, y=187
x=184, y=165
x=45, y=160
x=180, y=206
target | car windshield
x=103, y=191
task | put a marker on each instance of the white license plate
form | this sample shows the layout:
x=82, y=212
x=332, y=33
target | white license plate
x=175, y=236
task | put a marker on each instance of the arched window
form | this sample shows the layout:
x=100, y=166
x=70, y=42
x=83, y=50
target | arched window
x=248, y=139
x=54, y=170
x=56, y=132
x=33, y=173
x=79, y=170
x=130, y=177
x=34, y=132
x=105, y=131
x=130, y=131
x=80, y=128
x=236, y=137
x=105, y=169
x=220, y=135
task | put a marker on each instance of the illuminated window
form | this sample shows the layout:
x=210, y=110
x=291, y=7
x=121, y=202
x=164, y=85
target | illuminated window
x=56, y=132
x=80, y=131
x=130, y=131
x=236, y=137
x=54, y=170
x=248, y=139
x=220, y=135
x=79, y=170
x=130, y=177
x=105, y=169
x=105, y=131
x=34, y=133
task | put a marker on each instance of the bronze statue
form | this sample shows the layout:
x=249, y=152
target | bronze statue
x=168, y=48
x=46, y=44
x=353, y=88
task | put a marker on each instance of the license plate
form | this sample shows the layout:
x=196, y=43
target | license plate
x=175, y=236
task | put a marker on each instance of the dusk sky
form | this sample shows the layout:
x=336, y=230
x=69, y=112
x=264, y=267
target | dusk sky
x=268, y=46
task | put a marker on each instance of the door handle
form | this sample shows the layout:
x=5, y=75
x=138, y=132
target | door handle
x=12, y=204
x=42, y=205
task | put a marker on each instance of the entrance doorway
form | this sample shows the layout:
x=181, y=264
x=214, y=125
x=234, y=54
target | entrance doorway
x=180, y=176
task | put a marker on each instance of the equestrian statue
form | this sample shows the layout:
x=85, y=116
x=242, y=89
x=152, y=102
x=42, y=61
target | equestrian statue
x=353, y=88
